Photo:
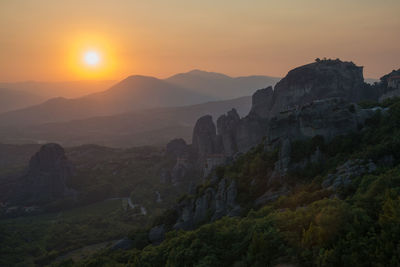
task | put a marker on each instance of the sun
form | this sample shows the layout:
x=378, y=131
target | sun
x=91, y=58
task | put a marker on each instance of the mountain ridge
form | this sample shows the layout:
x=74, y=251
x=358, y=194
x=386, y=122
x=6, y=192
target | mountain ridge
x=136, y=92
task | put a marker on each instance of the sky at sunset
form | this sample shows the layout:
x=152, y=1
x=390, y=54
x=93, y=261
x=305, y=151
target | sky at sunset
x=48, y=40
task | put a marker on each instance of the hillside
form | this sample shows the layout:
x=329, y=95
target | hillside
x=342, y=209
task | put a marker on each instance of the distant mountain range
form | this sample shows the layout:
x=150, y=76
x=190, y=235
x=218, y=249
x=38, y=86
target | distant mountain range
x=220, y=85
x=24, y=94
x=138, y=110
x=137, y=93
x=70, y=89
x=133, y=93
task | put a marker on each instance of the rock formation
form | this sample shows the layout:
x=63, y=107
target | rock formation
x=48, y=173
x=262, y=102
x=204, y=140
x=211, y=205
x=318, y=99
x=177, y=148
x=315, y=99
x=226, y=125
x=328, y=118
x=318, y=80
x=157, y=234
x=344, y=173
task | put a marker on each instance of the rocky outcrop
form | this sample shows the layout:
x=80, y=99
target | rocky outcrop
x=215, y=202
x=318, y=80
x=181, y=169
x=262, y=102
x=328, y=118
x=157, y=234
x=47, y=176
x=177, y=148
x=314, y=99
x=346, y=172
x=282, y=164
x=227, y=125
x=225, y=200
x=204, y=141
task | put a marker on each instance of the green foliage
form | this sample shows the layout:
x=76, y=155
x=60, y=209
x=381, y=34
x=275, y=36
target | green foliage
x=40, y=239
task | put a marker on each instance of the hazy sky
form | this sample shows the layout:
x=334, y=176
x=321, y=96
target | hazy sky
x=45, y=39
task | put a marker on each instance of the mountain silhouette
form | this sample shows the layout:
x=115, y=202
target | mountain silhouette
x=220, y=85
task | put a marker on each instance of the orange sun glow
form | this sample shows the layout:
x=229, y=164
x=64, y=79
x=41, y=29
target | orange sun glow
x=91, y=57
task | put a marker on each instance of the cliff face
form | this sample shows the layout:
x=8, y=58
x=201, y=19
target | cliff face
x=204, y=136
x=227, y=125
x=215, y=202
x=314, y=99
x=327, y=117
x=318, y=80
x=262, y=102
x=48, y=172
